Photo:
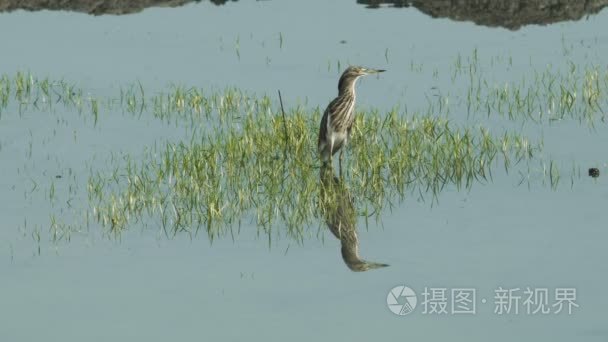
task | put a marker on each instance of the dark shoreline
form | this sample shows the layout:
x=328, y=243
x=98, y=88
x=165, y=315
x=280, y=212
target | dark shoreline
x=508, y=14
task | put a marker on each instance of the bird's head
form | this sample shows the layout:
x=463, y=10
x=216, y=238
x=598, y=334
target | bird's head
x=356, y=71
x=351, y=74
x=363, y=266
x=350, y=255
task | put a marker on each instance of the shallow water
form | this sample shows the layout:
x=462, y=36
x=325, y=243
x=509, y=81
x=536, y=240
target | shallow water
x=148, y=287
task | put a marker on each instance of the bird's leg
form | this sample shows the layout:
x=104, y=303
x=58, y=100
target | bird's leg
x=344, y=145
x=340, y=161
x=331, y=152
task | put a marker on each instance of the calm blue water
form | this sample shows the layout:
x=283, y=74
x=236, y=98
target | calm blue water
x=148, y=288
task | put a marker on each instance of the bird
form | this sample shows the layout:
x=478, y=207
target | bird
x=338, y=117
x=340, y=216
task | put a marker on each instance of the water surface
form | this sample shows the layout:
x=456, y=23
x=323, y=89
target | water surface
x=147, y=287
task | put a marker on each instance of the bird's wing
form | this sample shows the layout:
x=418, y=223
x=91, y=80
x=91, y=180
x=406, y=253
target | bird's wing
x=337, y=110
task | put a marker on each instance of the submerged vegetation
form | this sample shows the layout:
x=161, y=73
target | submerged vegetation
x=543, y=96
x=243, y=162
x=549, y=95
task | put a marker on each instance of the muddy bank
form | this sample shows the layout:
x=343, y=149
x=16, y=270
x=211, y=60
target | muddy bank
x=510, y=14
x=504, y=13
x=94, y=7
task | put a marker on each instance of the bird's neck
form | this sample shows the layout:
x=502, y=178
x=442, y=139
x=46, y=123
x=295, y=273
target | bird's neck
x=350, y=254
x=347, y=87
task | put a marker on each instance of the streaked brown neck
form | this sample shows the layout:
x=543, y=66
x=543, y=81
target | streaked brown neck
x=346, y=85
x=350, y=253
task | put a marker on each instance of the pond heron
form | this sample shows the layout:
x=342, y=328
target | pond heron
x=338, y=118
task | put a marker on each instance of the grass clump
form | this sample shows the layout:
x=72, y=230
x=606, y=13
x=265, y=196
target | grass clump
x=244, y=169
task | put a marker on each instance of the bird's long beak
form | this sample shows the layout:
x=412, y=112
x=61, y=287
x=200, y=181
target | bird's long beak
x=374, y=265
x=374, y=71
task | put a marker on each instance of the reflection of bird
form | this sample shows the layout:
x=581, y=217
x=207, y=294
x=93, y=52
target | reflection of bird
x=339, y=116
x=340, y=216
